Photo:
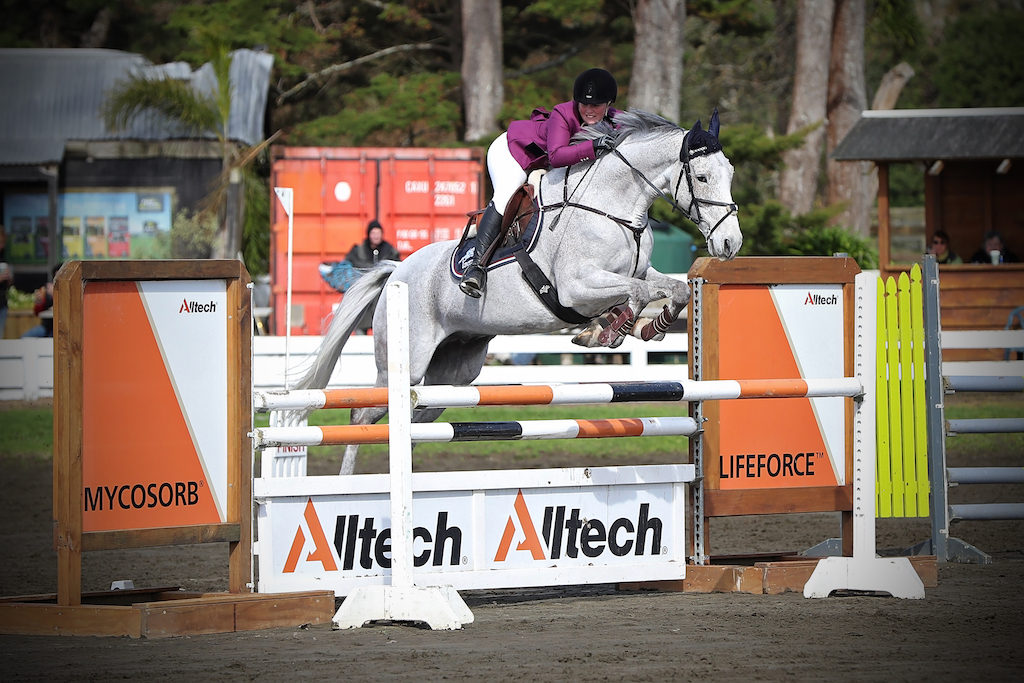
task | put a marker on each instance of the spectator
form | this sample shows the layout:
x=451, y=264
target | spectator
x=373, y=249
x=993, y=250
x=6, y=278
x=367, y=254
x=42, y=305
x=940, y=248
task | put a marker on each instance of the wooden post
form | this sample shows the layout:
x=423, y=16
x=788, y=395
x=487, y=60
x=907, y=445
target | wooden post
x=884, y=234
x=138, y=423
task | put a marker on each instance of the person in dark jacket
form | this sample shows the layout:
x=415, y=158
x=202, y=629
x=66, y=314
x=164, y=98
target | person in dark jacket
x=373, y=249
x=367, y=254
x=993, y=250
x=542, y=141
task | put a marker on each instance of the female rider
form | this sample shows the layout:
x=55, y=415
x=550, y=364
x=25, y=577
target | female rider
x=540, y=142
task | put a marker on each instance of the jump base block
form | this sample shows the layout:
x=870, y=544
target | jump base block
x=767, y=578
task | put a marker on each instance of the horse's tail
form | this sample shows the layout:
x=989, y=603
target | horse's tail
x=363, y=294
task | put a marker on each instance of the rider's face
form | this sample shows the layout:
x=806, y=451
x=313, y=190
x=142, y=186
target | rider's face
x=592, y=113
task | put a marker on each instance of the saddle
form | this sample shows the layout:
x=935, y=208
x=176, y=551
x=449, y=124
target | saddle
x=520, y=230
x=519, y=212
x=519, y=226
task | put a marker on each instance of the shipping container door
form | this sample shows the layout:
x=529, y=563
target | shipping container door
x=329, y=216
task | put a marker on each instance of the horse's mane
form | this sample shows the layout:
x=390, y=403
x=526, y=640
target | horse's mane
x=633, y=121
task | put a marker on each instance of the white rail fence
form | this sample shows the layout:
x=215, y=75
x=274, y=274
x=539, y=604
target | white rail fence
x=26, y=365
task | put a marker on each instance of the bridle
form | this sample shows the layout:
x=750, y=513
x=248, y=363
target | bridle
x=708, y=144
x=692, y=212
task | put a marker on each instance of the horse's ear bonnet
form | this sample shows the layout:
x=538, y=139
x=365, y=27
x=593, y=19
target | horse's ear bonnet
x=699, y=142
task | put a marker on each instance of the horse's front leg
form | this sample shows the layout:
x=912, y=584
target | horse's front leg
x=678, y=293
x=621, y=299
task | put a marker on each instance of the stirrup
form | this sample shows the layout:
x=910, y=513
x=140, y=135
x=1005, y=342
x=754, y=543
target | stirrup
x=473, y=281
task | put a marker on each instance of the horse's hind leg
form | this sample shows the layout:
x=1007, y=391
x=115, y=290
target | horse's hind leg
x=360, y=416
x=457, y=361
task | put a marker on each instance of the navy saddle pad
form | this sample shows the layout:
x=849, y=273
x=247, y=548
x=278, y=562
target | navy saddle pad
x=502, y=256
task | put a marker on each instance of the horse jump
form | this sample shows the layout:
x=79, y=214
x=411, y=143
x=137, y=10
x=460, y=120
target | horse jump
x=862, y=571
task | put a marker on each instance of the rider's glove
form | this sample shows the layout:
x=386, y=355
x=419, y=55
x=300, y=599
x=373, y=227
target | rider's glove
x=602, y=145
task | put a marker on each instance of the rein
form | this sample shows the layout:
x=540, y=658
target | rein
x=566, y=203
x=691, y=213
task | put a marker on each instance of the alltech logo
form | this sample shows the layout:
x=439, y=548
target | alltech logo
x=359, y=543
x=564, y=531
x=197, y=307
x=813, y=299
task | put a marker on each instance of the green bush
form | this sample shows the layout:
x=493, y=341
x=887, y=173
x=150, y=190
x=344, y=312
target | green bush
x=193, y=234
x=770, y=230
x=826, y=240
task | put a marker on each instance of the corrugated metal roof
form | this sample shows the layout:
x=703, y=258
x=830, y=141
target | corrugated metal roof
x=51, y=96
x=929, y=134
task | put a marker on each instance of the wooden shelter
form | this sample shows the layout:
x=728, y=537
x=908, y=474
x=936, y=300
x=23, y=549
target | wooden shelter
x=972, y=161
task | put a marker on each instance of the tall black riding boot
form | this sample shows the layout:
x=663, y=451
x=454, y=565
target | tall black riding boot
x=474, y=280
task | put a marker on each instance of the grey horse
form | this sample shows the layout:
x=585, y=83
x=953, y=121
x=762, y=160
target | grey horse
x=594, y=248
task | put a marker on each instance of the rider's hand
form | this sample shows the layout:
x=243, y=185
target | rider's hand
x=602, y=145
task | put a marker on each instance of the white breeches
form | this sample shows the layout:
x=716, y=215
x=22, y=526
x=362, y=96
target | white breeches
x=506, y=173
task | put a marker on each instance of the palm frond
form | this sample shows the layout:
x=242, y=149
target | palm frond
x=174, y=99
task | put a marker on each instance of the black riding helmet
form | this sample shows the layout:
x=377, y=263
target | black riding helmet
x=595, y=86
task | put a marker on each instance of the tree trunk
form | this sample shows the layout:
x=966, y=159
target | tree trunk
x=848, y=180
x=657, y=77
x=885, y=98
x=798, y=184
x=482, y=88
x=891, y=86
x=97, y=34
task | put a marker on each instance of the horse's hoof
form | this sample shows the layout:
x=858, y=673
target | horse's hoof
x=587, y=338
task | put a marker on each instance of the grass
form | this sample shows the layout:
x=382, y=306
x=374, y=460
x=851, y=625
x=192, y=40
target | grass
x=984, y=449
x=26, y=431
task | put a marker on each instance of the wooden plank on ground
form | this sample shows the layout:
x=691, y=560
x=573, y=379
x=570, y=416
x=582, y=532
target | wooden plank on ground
x=792, y=575
x=172, y=618
x=712, y=578
x=36, y=619
x=285, y=609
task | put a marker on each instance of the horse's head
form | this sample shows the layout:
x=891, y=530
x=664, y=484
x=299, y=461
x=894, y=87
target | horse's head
x=704, y=189
x=696, y=179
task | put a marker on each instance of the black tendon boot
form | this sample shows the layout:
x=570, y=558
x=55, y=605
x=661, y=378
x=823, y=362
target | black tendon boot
x=474, y=280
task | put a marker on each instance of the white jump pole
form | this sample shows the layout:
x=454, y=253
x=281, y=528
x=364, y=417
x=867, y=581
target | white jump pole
x=285, y=195
x=440, y=607
x=864, y=571
x=289, y=461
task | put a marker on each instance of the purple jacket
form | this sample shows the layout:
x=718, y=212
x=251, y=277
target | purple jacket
x=543, y=140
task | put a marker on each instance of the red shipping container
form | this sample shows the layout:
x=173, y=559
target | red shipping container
x=419, y=195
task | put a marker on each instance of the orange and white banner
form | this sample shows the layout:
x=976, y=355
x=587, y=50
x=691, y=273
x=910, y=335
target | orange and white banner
x=777, y=332
x=155, y=404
